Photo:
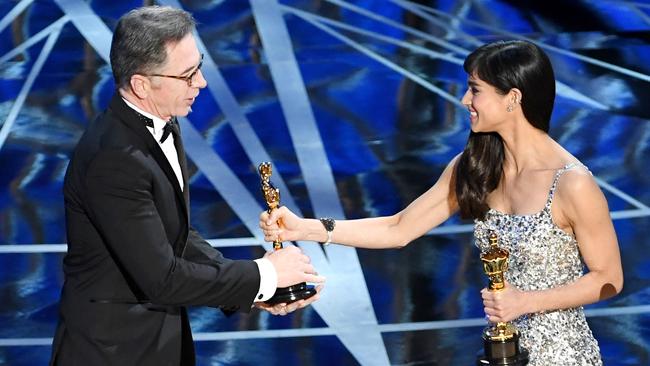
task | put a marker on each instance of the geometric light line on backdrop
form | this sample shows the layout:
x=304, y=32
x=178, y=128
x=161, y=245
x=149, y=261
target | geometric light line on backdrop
x=562, y=89
x=99, y=36
x=13, y=13
x=49, y=340
x=27, y=86
x=348, y=302
x=62, y=248
x=235, y=116
x=33, y=248
x=450, y=28
x=89, y=24
x=639, y=13
x=294, y=100
x=633, y=6
x=83, y=17
x=633, y=3
x=34, y=39
x=254, y=149
x=578, y=56
x=384, y=61
x=308, y=145
x=87, y=19
x=398, y=42
x=242, y=242
x=416, y=32
x=315, y=332
x=624, y=196
x=629, y=214
x=566, y=91
x=224, y=180
x=256, y=152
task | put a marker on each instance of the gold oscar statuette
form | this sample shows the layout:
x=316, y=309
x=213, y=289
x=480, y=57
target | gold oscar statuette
x=272, y=197
x=500, y=340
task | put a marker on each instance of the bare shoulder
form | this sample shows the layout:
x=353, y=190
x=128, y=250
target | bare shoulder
x=450, y=169
x=578, y=194
x=575, y=180
x=454, y=162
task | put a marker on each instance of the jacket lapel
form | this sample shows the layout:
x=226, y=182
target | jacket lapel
x=131, y=119
x=180, y=150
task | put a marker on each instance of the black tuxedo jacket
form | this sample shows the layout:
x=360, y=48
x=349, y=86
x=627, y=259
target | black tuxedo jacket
x=133, y=261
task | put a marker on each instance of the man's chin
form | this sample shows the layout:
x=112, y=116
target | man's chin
x=184, y=112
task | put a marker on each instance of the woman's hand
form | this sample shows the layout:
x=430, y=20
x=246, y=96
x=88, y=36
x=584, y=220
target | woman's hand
x=281, y=225
x=505, y=305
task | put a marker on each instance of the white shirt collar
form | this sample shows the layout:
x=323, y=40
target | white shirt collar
x=158, y=123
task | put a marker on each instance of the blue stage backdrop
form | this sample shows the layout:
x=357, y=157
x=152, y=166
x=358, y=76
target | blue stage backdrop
x=356, y=104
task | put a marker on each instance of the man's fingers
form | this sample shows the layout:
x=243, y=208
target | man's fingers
x=307, y=268
x=313, y=278
x=278, y=310
x=283, y=309
x=296, y=305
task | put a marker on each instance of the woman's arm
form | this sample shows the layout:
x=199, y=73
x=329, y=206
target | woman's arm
x=426, y=212
x=582, y=207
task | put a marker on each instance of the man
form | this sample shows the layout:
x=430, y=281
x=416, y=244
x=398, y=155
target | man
x=133, y=261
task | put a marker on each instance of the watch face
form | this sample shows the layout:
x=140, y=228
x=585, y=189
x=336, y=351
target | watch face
x=328, y=223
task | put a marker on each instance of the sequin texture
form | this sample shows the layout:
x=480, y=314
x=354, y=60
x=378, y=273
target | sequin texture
x=543, y=256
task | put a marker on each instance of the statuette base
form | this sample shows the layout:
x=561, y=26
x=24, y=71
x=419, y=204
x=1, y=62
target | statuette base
x=291, y=294
x=502, y=352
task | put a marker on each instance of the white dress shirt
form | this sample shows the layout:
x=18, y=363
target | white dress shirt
x=268, y=275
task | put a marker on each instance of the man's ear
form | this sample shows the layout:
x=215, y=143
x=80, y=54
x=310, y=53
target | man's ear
x=140, y=86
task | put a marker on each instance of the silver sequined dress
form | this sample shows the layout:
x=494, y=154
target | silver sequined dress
x=543, y=256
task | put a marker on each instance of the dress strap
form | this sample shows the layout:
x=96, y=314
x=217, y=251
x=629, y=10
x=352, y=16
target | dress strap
x=558, y=174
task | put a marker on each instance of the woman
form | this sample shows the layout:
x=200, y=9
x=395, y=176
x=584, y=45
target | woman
x=514, y=179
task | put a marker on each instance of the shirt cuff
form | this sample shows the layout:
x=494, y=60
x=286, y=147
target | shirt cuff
x=268, y=280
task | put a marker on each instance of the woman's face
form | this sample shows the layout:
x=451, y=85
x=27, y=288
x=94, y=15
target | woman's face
x=487, y=108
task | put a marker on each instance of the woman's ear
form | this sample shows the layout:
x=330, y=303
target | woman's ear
x=515, y=96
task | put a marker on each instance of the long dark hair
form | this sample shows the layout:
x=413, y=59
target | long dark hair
x=504, y=65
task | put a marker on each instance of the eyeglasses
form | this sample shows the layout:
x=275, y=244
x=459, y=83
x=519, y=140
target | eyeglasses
x=188, y=79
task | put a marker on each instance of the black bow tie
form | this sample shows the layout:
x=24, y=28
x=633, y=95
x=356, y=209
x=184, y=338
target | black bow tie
x=170, y=127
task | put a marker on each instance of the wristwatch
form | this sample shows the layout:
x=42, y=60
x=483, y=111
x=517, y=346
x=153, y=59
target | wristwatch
x=329, y=224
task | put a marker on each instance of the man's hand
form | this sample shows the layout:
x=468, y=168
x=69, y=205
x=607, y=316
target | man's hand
x=284, y=309
x=293, y=267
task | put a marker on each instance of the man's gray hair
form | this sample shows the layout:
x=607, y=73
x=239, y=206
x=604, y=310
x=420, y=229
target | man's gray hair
x=140, y=40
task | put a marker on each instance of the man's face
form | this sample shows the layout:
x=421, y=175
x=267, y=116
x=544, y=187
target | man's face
x=174, y=97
